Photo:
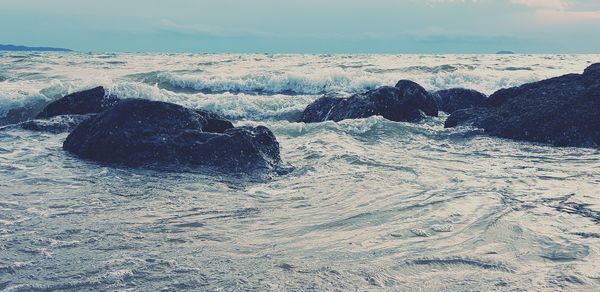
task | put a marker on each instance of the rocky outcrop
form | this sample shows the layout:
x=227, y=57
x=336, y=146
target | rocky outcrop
x=405, y=102
x=139, y=132
x=450, y=100
x=562, y=111
x=90, y=101
x=64, y=114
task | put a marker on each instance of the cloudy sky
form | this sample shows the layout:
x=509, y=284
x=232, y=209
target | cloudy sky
x=305, y=26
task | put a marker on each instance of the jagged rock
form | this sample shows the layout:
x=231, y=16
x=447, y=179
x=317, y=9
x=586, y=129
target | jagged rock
x=450, y=100
x=562, y=111
x=406, y=102
x=89, y=101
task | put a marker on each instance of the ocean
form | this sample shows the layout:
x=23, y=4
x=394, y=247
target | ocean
x=370, y=204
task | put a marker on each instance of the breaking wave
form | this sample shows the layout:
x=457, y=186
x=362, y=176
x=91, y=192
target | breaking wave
x=289, y=84
x=370, y=204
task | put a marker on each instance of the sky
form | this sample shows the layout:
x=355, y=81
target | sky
x=305, y=26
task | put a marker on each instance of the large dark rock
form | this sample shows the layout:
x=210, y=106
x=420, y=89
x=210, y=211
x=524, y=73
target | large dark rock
x=139, y=132
x=64, y=114
x=90, y=101
x=563, y=111
x=450, y=100
x=406, y=102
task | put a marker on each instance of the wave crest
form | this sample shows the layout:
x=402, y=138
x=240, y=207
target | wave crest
x=273, y=83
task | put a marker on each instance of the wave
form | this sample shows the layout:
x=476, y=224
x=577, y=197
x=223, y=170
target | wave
x=251, y=97
x=458, y=261
x=308, y=83
x=233, y=106
x=375, y=127
x=250, y=107
x=332, y=79
x=22, y=100
x=438, y=69
x=251, y=87
x=17, y=105
x=517, y=69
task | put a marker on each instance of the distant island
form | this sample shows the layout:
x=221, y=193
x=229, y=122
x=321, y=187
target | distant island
x=31, y=49
x=505, y=52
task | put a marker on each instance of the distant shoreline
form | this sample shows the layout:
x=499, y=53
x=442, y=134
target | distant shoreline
x=18, y=48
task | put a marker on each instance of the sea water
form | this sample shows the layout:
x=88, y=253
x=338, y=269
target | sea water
x=369, y=205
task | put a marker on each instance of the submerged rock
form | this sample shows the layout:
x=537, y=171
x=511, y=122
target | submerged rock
x=79, y=103
x=90, y=101
x=406, y=102
x=139, y=132
x=450, y=100
x=23, y=113
x=55, y=125
x=562, y=111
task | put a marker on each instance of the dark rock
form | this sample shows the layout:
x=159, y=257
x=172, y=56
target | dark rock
x=417, y=97
x=55, y=125
x=64, y=114
x=406, y=102
x=477, y=116
x=215, y=123
x=321, y=108
x=505, y=52
x=89, y=101
x=450, y=100
x=563, y=111
x=139, y=132
x=592, y=72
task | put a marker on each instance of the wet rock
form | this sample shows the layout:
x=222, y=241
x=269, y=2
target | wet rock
x=90, y=101
x=562, y=111
x=215, y=123
x=65, y=114
x=406, y=102
x=450, y=100
x=139, y=132
x=55, y=125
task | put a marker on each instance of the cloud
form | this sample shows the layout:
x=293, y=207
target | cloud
x=453, y=1
x=544, y=4
x=208, y=31
x=569, y=16
x=563, y=11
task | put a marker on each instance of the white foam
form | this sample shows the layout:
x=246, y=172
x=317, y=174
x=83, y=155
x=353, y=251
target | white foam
x=325, y=80
x=159, y=76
